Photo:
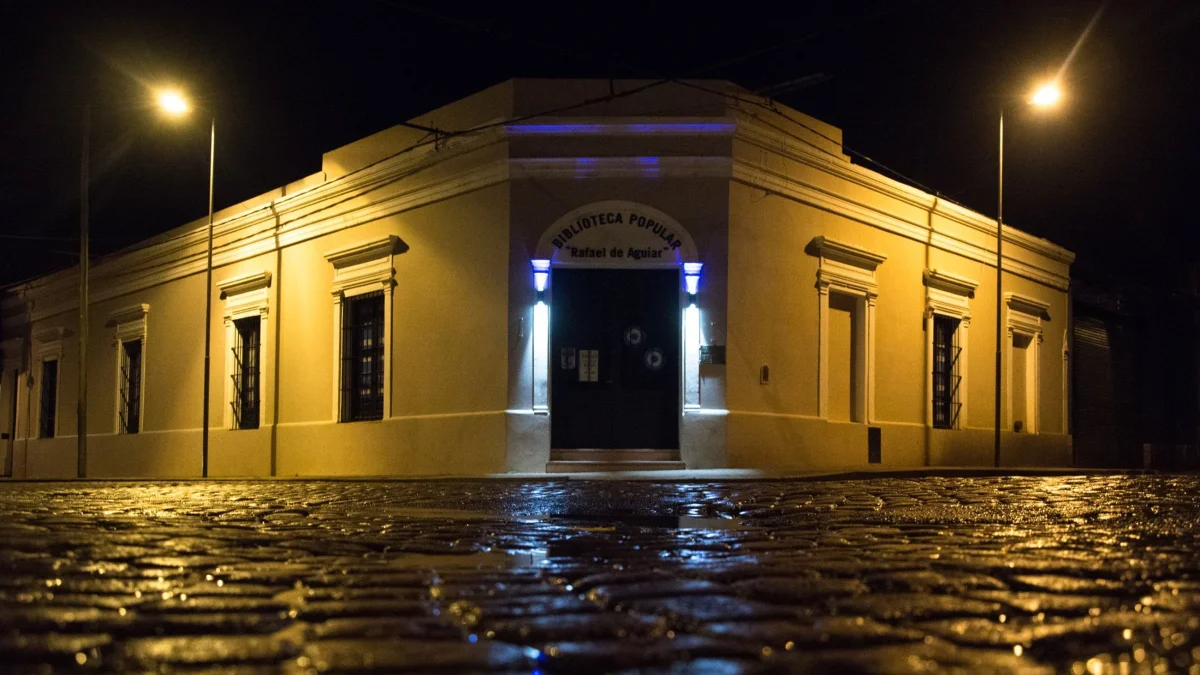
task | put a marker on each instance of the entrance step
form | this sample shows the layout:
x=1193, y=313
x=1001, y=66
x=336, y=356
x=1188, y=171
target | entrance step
x=614, y=455
x=583, y=466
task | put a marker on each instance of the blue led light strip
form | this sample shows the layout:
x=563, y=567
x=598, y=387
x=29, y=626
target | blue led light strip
x=676, y=128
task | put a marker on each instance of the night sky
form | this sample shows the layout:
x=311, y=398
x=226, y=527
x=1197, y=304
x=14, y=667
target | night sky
x=915, y=85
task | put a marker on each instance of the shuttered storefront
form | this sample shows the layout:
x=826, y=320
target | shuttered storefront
x=1105, y=388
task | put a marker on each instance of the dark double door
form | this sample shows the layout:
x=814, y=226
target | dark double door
x=614, y=348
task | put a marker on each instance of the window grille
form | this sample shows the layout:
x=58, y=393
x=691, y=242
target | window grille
x=362, y=358
x=946, y=376
x=49, y=399
x=131, y=386
x=246, y=373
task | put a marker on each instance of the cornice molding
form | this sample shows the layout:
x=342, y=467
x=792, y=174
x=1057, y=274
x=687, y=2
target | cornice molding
x=306, y=214
x=331, y=206
x=244, y=284
x=266, y=239
x=758, y=134
x=951, y=283
x=765, y=179
x=344, y=216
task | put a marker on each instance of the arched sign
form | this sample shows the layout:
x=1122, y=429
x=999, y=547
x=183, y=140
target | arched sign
x=616, y=234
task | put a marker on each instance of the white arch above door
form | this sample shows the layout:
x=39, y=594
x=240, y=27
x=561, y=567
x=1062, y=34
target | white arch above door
x=616, y=233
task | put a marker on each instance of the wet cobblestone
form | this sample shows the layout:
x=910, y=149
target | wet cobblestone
x=1078, y=574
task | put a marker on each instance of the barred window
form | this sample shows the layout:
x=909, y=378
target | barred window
x=362, y=358
x=131, y=387
x=48, y=399
x=946, y=376
x=246, y=373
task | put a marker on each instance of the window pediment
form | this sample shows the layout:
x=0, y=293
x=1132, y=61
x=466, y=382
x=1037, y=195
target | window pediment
x=128, y=314
x=245, y=294
x=1027, y=305
x=244, y=284
x=848, y=254
x=949, y=294
x=1025, y=314
x=845, y=266
x=950, y=283
x=365, y=264
x=47, y=343
x=129, y=322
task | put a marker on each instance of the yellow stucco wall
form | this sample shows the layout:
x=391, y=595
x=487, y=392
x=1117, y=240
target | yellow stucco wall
x=448, y=372
x=469, y=212
x=448, y=366
x=774, y=319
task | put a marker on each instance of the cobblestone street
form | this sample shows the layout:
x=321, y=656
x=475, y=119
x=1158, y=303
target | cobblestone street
x=1078, y=574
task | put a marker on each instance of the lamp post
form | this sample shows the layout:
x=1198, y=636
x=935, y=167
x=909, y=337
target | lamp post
x=82, y=333
x=1046, y=96
x=174, y=104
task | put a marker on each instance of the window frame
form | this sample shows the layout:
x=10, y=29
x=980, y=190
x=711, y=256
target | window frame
x=949, y=296
x=363, y=268
x=353, y=356
x=47, y=346
x=43, y=394
x=245, y=297
x=247, y=394
x=130, y=324
x=124, y=379
x=951, y=416
x=848, y=270
x=1024, y=317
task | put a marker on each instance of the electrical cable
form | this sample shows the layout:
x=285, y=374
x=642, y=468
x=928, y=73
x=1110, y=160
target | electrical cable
x=23, y=237
x=514, y=120
x=845, y=148
x=441, y=135
x=615, y=95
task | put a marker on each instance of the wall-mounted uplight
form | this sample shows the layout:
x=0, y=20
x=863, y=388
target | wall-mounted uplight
x=691, y=280
x=541, y=275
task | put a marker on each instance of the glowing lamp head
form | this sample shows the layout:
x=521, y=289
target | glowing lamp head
x=691, y=280
x=173, y=103
x=541, y=275
x=1046, y=96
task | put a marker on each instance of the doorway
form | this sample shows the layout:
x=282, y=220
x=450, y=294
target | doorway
x=615, y=342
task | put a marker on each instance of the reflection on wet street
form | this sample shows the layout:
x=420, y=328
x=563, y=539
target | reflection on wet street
x=1079, y=574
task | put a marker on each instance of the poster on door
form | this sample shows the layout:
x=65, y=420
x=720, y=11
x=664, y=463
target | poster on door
x=589, y=365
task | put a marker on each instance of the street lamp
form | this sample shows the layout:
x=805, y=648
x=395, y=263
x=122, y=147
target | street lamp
x=174, y=103
x=1047, y=95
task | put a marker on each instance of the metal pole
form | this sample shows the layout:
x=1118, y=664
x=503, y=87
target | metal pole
x=81, y=404
x=212, y=150
x=999, y=283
